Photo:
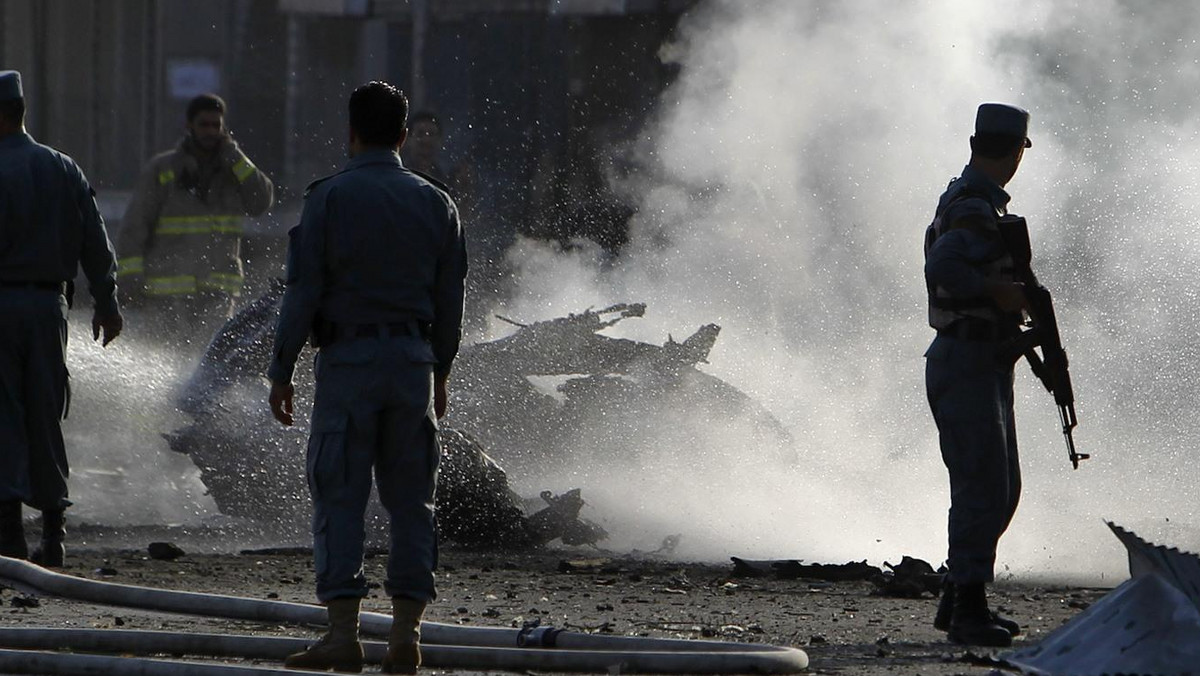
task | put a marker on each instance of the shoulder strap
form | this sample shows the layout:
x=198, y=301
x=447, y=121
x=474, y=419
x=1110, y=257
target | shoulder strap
x=319, y=181
x=965, y=193
x=435, y=182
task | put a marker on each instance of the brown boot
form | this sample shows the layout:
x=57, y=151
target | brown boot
x=404, y=642
x=339, y=649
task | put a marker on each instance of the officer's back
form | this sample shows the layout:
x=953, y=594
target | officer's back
x=379, y=250
x=378, y=260
x=379, y=257
x=45, y=206
x=49, y=224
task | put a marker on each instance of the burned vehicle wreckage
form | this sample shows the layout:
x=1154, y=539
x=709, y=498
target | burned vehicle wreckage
x=254, y=468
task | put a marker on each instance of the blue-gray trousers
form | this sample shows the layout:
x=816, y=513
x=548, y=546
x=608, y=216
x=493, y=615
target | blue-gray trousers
x=373, y=413
x=971, y=396
x=33, y=397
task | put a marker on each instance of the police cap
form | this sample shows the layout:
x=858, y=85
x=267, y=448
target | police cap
x=10, y=85
x=1004, y=120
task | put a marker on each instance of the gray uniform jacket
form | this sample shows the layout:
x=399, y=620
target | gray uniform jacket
x=376, y=244
x=49, y=223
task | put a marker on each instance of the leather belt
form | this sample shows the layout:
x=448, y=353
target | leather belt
x=411, y=329
x=972, y=328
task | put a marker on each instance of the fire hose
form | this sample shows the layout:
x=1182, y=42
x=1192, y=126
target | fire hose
x=442, y=645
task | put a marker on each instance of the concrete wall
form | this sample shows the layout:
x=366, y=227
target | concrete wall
x=88, y=86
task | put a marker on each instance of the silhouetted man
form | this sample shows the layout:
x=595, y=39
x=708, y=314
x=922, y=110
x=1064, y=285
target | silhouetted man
x=976, y=305
x=376, y=271
x=50, y=226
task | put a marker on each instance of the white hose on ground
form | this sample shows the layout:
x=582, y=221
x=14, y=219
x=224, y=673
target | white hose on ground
x=140, y=642
x=59, y=664
x=476, y=641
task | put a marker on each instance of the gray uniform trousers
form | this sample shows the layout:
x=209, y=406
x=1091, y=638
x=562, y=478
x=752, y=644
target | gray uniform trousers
x=971, y=396
x=373, y=411
x=33, y=397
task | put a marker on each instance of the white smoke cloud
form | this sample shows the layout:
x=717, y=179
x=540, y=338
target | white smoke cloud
x=794, y=165
x=785, y=185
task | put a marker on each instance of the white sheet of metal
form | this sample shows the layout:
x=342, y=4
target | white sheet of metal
x=1149, y=625
x=1181, y=569
x=1145, y=626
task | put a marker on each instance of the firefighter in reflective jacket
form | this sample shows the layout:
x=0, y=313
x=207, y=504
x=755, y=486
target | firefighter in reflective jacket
x=180, y=242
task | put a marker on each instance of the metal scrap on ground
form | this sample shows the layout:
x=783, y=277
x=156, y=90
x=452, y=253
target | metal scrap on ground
x=911, y=578
x=559, y=389
x=253, y=467
x=1149, y=625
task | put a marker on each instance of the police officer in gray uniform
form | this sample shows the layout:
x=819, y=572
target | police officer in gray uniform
x=976, y=305
x=376, y=272
x=49, y=226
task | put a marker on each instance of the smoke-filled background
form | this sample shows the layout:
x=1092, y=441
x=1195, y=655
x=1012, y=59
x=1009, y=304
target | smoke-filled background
x=781, y=190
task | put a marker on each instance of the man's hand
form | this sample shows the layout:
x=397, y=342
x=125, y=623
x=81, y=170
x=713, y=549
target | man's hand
x=439, y=396
x=1009, y=296
x=227, y=148
x=281, y=402
x=109, y=325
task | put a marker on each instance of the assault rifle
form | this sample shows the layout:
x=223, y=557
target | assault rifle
x=1051, y=365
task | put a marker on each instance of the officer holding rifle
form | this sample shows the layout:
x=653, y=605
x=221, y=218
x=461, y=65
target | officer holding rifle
x=980, y=289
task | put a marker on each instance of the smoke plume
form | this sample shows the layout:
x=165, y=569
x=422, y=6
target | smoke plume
x=783, y=193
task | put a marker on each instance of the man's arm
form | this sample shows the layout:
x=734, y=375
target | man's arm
x=99, y=263
x=955, y=258
x=255, y=189
x=302, y=297
x=448, y=294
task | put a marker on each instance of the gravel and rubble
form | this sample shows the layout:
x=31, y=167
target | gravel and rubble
x=845, y=627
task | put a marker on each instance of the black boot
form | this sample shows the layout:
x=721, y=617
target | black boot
x=1010, y=626
x=945, y=611
x=972, y=622
x=54, y=531
x=12, y=532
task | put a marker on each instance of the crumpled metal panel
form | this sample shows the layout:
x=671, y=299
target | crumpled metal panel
x=1149, y=625
x=1181, y=569
x=1145, y=626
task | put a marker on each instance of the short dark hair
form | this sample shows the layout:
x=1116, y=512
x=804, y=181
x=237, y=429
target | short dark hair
x=426, y=116
x=378, y=112
x=205, y=102
x=13, y=111
x=996, y=146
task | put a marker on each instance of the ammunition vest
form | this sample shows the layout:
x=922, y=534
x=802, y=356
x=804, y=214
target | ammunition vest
x=946, y=308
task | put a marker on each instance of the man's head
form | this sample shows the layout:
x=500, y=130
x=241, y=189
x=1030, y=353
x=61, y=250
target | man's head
x=378, y=112
x=1000, y=140
x=12, y=103
x=424, y=138
x=206, y=120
